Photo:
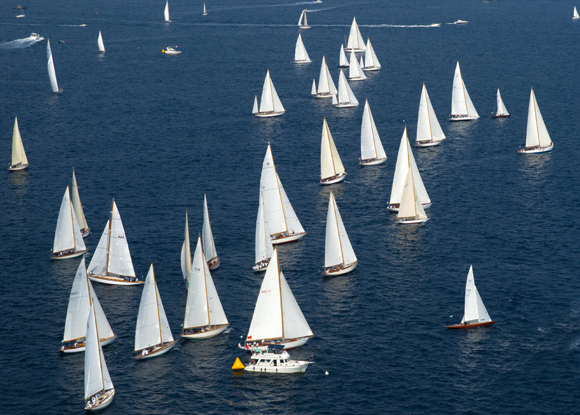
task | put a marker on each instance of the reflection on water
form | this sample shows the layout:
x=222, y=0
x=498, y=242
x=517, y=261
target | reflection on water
x=20, y=182
x=337, y=293
x=457, y=129
x=406, y=241
x=533, y=168
x=370, y=175
x=471, y=348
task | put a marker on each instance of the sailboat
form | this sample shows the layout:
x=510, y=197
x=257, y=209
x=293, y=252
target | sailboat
x=99, y=389
x=204, y=10
x=283, y=223
x=19, y=159
x=313, y=89
x=152, y=335
x=303, y=21
x=361, y=63
x=186, y=253
x=355, y=40
x=68, y=241
x=270, y=104
x=575, y=15
x=411, y=210
x=339, y=257
x=277, y=317
x=406, y=162
x=82, y=299
x=371, y=147
x=213, y=260
x=343, y=60
x=100, y=43
x=21, y=11
x=51, y=71
x=346, y=98
x=166, y=11
x=502, y=111
x=429, y=132
x=300, y=54
x=475, y=314
x=264, y=248
x=537, y=137
x=331, y=168
x=326, y=87
x=371, y=61
x=204, y=314
x=462, y=108
x=355, y=72
x=78, y=207
x=111, y=263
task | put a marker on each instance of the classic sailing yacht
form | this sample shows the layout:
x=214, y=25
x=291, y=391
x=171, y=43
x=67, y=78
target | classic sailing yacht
x=204, y=314
x=186, y=254
x=331, y=168
x=346, y=98
x=303, y=21
x=277, y=317
x=502, y=111
x=166, y=12
x=371, y=61
x=300, y=54
x=78, y=207
x=209, y=251
x=204, y=10
x=283, y=223
x=152, y=335
x=326, y=87
x=355, y=40
x=111, y=262
x=429, y=132
x=270, y=104
x=411, y=211
x=343, y=60
x=406, y=162
x=371, y=147
x=537, y=137
x=68, y=241
x=264, y=248
x=51, y=71
x=575, y=15
x=82, y=299
x=475, y=314
x=100, y=43
x=355, y=72
x=462, y=108
x=19, y=160
x=339, y=257
x=99, y=389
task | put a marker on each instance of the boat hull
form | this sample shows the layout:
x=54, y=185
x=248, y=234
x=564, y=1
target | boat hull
x=289, y=238
x=343, y=270
x=337, y=179
x=304, y=27
x=298, y=367
x=411, y=221
x=358, y=78
x=427, y=143
x=268, y=114
x=86, y=232
x=104, y=400
x=301, y=62
x=18, y=167
x=462, y=118
x=104, y=342
x=261, y=266
x=110, y=280
x=372, y=162
x=372, y=69
x=347, y=105
x=213, y=263
x=68, y=256
x=322, y=96
x=161, y=350
x=288, y=345
x=536, y=150
x=468, y=326
x=395, y=207
x=501, y=116
x=216, y=331
x=354, y=50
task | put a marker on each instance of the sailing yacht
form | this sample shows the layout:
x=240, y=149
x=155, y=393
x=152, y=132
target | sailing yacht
x=411, y=210
x=331, y=168
x=51, y=71
x=300, y=54
x=475, y=314
x=537, y=137
x=283, y=223
x=355, y=40
x=371, y=61
x=346, y=98
x=19, y=160
x=575, y=15
x=204, y=314
x=339, y=257
x=82, y=299
x=166, y=12
x=186, y=253
x=355, y=72
x=462, y=108
x=99, y=389
x=343, y=60
x=326, y=87
x=21, y=11
x=429, y=132
x=152, y=335
x=264, y=248
x=100, y=43
x=111, y=262
x=277, y=317
x=371, y=147
x=406, y=162
x=502, y=111
x=213, y=260
x=68, y=241
x=303, y=21
x=270, y=104
x=204, y=10
x=78, y=207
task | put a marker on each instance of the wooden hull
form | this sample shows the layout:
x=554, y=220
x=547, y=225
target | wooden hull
x=288, y=345
x=81, y=346
x=372, y=162
x=268, y=114
x=289, y=238
x=501, y=116
x=68, y=256
x=111, y=280
x=214, y=331
x=536, y=150
x=104, y=400
x=261, y=266
x=462, y=118
x=468, y=326
x=338, y=179
x=340, y=271
x=158, y=351
x=411, y=221
x=18, y=167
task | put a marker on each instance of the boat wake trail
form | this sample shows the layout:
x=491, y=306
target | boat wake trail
x=20, y=43
x=398, y=25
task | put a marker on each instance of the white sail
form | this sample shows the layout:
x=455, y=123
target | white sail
x=475, y=311
x=428, y=127
x=303, y=21
x=371, y=60
x=97, y=376
x=166, y=11
x=51, y=71
x=186, y=253
x=461, y=104
x=537, y=133
x=100, y=42
x=411, y=207
x=204, y=10
x=371, y=145
x=264, y=248
x=277, y=314
x=575, y=15
x=255, y=108
x=354, y=69
x=292, y=222
x=78, y=207
x=330, y=163
x=300, y=54
x=342, y=61
x=67, y=235
x=18, y=154
x=501, y=109
x=337, y=249
x=270, y=102
x=313, y=89
x=325, y=83
x=345, y=95
x=355, y=39
x=207, y=235
x=203, y=307
x=406, y=161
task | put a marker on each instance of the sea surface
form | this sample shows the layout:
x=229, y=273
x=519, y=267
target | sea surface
x=156, y=132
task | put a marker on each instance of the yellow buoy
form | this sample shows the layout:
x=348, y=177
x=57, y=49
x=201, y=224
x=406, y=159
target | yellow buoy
x=162, y=50
x=238, y=365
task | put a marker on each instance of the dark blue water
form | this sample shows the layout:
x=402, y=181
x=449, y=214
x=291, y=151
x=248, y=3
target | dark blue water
x=157, y=132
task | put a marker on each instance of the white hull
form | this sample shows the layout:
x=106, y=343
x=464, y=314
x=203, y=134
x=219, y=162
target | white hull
x=261, y=266
x=159, y=351
x=395, y=208
x=372, y=162
x=176, y=52
x=304, y=27
x=290, y=344
x=411, y=221
x=427, y=143
x=269, y=114
x=19, y=167
x=206, y=334
x=358, y=78
x=373, y=69
x=86, y=232
x=341, y=271
x=104, y=400
x=301, y=62
x=104, y=342
x=69, y=256
x=104, y=279
x=289, y=238
x=536, y=150
x=462, y=118
x=213, y=263
x=338, y=179
x=349, y=105
x=298, y=367
x=323, y=96
x=354, y=50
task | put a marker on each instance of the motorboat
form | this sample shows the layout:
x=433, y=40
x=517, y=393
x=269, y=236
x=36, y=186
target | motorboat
x=275, y=360
x=171, y=51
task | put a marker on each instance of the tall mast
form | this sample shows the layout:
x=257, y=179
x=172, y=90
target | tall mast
x=205, y=286
x=109, y=241
x=281, y=304
x=337, y=230
x=279, y=193
x=157, y=303
x=72, y=221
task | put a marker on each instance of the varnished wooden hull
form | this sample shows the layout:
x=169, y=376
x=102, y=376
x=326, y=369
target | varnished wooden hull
x=468, y=326
x=215, y=331
x=158, y=351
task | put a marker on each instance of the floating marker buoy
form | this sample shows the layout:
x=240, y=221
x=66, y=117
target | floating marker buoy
x=238, y=365
x=326, y=373
x=162, y=50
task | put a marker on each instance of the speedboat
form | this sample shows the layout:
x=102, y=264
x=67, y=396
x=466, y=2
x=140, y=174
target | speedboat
x=460, y=21
x=171, y=51
x=435, y=25
x=275, y=361
x=83, y=25
x=35, y=36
